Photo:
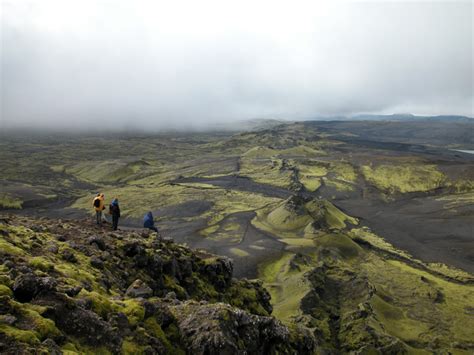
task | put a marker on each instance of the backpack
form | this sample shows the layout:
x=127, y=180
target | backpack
x=97, y=203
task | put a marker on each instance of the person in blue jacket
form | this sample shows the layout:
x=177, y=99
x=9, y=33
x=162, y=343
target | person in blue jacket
x=149, y=223
x=114, y=210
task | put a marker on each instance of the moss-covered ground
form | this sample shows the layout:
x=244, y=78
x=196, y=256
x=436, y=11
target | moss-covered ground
x=317, y=214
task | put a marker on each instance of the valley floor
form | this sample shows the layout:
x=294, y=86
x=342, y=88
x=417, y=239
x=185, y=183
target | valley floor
x=368, y=243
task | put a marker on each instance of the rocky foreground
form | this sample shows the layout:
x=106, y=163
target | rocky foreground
x=70, y=287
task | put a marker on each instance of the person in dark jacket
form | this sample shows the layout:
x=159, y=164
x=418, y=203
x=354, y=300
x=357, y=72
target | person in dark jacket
x=149, y=223
x=114, y=210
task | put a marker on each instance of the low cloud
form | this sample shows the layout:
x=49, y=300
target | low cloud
x=117, y=64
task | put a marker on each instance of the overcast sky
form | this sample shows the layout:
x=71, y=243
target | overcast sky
x=98, y=64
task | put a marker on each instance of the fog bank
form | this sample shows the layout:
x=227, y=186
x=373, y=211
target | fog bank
x=183, y=64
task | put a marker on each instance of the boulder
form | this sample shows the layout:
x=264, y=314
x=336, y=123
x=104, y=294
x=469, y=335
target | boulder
x=68, y=256
x=139, y=289
x=97, y=262
x=222, y=329
x=28, y=286
x=98, y=241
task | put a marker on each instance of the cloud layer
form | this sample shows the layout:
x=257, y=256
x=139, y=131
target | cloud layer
x=103, y=64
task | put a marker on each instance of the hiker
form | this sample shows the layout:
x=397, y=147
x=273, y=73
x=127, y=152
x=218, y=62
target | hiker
x=99, y=206
x=114, y=210
x=149, y=223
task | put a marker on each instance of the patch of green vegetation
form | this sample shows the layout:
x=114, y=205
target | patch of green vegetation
x=231, y=227
x=100, y=304
x=209, y=230
x=134, y=311
x=69, y=349
x=243, y=295
x=15, y=240
x=396, y=323
x=77, y=274
x=461, y=185
x=284, y=219
x=457, y=200
x=344, y=171
x=5, y=291
x=332, y=216
x=24, y=336
x=341, y=244
x=107, y=171
x=152, y=326
x=298, y=242
x=239, y=252
x=287, y=285
x=41, y=263
x=172, y=285
x=198, y=185
x=266, y=171
x=9, y=202
x=130, y=347
x=404, y=178
x=419, y=307
x=42, y=327
x=310, y=183
x=364, y=235
x=338, y=184
x=288, y=221
x=58, y=168
x=8, y=248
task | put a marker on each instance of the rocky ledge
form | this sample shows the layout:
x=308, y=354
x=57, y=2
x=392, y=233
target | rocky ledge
x=70, y=287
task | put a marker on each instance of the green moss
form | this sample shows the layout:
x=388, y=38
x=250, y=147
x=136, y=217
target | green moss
x=209, y=230
x=404, y=177
x=5, y=279
x=76, y=274
x=366, y=236
x=5, y=291
x=9, y=202
x=245, y=298
x=100, y=304
x=287, y=220
x=287, y=285
x=134, y=311
x=239, y=252
x=24, y=336
x=407, y=304
x=153, y=328
x=172, y=285
x=344, y=171
x=41, y=263
x=203, y=289
x=130, y=347
x=8, y=248
x=456, y=200
x=42, y=327
x=232, y=227
x=57, y=168
x=338, y=184
x=340, y=243
x=310, y=173
x=46, y=328
x=69, y=349
x=333, y=217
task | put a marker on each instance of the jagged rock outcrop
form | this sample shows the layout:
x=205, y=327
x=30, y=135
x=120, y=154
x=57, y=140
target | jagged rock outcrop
x=70, y=286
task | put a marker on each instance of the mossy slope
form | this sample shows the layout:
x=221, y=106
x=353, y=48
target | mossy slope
x=67, y=286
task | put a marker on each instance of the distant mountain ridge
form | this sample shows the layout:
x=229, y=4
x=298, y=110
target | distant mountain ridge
x=399, y=117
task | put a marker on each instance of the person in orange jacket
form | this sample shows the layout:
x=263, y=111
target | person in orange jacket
x=99, y=206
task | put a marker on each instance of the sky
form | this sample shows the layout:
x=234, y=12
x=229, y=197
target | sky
x=93, y=64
